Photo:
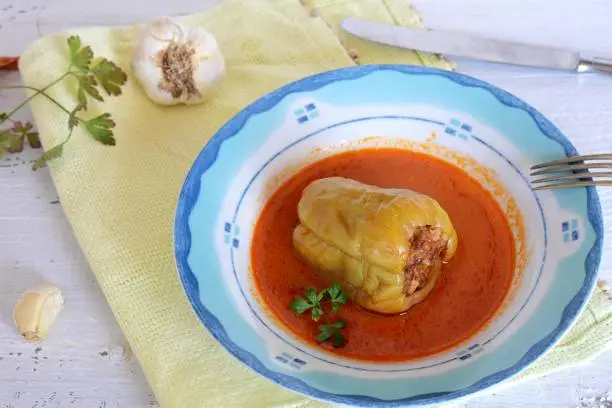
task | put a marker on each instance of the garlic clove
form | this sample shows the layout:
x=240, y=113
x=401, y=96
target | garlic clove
x=177, y=64
x=36, y=310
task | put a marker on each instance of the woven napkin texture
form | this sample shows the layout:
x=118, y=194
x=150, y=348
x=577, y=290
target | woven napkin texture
x=121, y=200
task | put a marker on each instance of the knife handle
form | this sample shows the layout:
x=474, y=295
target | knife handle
x=599, y=64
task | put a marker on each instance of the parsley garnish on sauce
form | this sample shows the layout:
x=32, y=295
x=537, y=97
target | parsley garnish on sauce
x=332, y=331
x=315, y=301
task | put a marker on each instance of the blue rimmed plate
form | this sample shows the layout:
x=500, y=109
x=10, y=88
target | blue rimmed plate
x=408, y=107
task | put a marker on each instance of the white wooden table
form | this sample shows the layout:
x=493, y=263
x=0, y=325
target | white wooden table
x=86, y=362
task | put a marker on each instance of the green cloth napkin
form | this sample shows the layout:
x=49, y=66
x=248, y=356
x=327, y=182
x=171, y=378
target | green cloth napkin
x=121, y=201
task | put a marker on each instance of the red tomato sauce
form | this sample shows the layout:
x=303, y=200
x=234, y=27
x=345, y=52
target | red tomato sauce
x=470, y=289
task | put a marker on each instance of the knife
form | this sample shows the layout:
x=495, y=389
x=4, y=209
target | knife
x=476, y=47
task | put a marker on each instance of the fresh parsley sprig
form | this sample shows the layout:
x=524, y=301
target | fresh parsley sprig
x=332, y=331
x=338, y=297
x=13, y=138
x=312, y=303
x=315, y=301
x=94, y=77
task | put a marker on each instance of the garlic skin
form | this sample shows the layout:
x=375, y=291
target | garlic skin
x=36, y=310
x=177, y=64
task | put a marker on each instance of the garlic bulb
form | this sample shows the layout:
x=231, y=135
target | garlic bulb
x=177, y=64
x=36, y=310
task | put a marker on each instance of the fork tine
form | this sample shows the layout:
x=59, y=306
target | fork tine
x=573, y=184
x=573, y=159
x=573, y=176
x=562, y=167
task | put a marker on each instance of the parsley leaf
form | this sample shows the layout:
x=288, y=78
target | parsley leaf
x=336, y=293
x=321, y=295
x=14, y=137
x=332, y=331
x=300, y=305
x=317, y=312
x=337, y=296
x=87, y=85
x=33, y=140
x=47, y=156
x=26, y=131
x=6, y=139
x=3, y=117
x=334, y=290
x=312, y=301
x=337, y=339
x=100, y=129
x=311, y=295
x=110, y=76
x=16, y=144
x=5, y=135
x=22, y=128
x=80, y=57
x=325, y=333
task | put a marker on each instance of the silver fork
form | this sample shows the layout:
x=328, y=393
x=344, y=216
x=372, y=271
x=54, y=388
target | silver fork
x=574, y=172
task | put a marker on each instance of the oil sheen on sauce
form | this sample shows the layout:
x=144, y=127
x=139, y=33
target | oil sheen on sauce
x=470, y=289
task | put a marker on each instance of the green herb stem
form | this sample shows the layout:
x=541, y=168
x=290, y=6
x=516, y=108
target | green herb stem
x=37, y=92
x=103, y=76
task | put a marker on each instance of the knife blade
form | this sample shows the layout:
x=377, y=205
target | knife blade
x=476, y=47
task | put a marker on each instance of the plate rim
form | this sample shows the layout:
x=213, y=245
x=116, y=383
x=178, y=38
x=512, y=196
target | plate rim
x=209, y=153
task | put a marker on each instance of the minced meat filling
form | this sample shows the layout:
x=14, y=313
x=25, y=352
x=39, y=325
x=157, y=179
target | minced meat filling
x=428, y=247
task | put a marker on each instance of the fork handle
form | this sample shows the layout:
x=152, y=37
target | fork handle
x=600, y=64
